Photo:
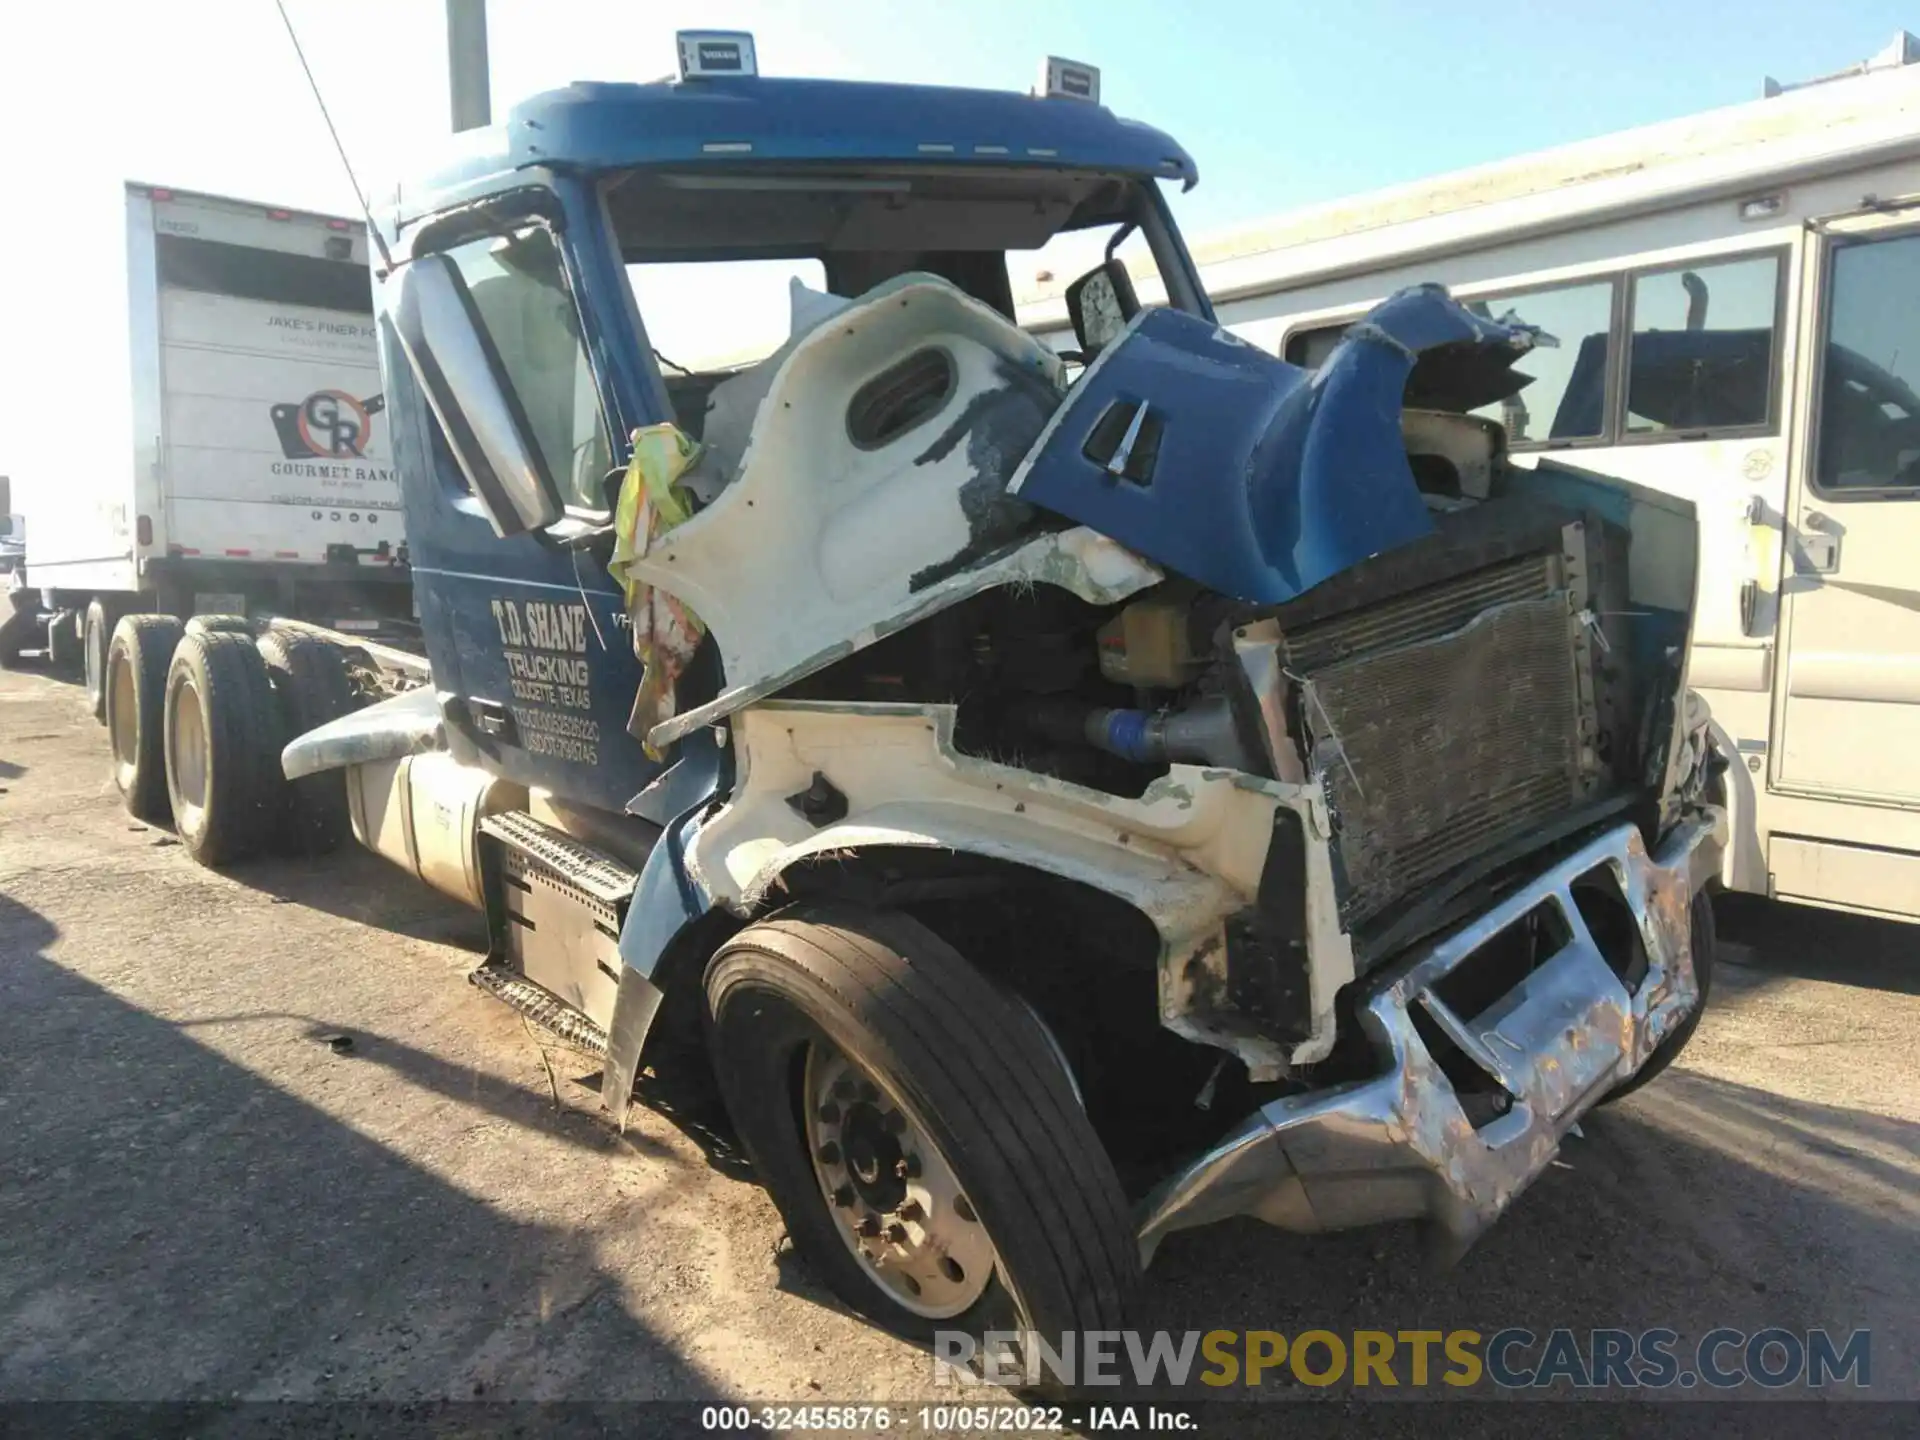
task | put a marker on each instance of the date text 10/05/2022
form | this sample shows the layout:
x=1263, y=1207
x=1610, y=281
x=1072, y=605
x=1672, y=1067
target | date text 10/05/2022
x=944, y=1419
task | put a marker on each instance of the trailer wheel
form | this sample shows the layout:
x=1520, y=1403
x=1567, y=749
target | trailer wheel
x=219, y=625
x=915, y=1130
x=136, y=687
x=310, y=681
x=224, y=734
x=1705, y=939
x=98, y=634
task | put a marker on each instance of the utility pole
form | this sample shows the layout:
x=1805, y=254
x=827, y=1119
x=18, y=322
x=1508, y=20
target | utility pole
x=467, y=78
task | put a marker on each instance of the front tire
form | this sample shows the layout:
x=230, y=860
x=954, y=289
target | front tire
x=223, y=740
x=915, y=1129
x=135, y=693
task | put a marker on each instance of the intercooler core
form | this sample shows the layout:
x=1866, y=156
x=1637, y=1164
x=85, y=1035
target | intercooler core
x=1450, y=717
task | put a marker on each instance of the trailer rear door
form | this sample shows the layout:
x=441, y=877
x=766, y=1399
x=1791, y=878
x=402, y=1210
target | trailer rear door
x=275, y=445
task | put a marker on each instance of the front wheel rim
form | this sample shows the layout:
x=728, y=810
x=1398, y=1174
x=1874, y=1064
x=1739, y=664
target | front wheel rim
x=892, y=1196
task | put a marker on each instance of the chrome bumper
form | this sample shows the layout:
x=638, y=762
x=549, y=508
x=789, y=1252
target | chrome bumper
x=1400, y=1146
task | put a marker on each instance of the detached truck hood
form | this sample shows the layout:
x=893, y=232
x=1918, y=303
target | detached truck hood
x=1251, y=476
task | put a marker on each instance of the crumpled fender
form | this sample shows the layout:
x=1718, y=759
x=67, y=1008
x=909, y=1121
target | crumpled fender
x=1251, y=476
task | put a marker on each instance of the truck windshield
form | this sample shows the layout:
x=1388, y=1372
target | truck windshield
x=725, y=268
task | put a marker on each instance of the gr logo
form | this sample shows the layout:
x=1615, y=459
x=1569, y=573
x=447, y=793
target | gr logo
x=327, y=425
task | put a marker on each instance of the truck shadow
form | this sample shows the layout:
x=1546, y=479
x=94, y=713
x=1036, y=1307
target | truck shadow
x=357, y=885
x=179, y=1227
x=1698, y=1203
x=1778, y=939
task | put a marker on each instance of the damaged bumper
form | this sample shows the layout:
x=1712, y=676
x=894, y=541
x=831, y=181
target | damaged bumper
x=1403, y=1145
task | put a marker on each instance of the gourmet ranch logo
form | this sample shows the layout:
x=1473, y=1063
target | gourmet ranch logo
x=327, y=425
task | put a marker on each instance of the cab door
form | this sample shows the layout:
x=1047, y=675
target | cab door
x=1848, y=692
x=527, y=632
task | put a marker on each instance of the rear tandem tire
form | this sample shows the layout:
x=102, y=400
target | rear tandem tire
x=1705, y=938
x=922, y=1068
x=135, y=689
x=219, y=625
x=310, y=681
x=98, y=634
x=223, y=740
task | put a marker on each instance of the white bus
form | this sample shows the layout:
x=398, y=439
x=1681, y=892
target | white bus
x=1735, y=304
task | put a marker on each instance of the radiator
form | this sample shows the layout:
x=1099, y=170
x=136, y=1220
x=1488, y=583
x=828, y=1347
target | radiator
x=1446, y=722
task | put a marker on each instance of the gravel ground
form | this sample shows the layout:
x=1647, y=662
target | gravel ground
x=206, y=1193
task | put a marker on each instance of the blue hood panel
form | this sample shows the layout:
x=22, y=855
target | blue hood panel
x=1256, y=478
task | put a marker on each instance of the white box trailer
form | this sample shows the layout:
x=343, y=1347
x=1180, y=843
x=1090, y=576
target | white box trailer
x=248, y=470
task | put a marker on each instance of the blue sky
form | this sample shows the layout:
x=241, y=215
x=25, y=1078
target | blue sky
x=1281, y=103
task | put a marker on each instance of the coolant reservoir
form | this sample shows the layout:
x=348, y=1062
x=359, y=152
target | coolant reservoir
x=1148, y=645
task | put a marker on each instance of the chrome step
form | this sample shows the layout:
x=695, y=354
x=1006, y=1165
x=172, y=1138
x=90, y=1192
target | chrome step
x=561, y=905
x=595, y=872
x=542, y=1007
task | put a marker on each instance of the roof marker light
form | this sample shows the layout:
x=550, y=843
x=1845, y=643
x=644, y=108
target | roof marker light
x=708, y=54
x=1069, y=80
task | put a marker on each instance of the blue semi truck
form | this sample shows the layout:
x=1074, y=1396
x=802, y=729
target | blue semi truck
x=1079, y=795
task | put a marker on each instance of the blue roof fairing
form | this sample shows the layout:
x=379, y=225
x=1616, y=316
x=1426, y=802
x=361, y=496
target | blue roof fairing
x=592, y=126
x=1266, y=479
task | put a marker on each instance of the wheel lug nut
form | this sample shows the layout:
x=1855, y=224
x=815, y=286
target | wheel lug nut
x=830, y=1112
x=912, y=1211
x=829, y=1154
x=869, y=1226
x=843, y=1197
x=897, y=1233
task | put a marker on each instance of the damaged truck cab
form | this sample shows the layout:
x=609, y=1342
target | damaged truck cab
x=1079, y=797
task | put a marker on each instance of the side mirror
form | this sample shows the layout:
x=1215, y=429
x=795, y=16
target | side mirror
x=460, y=372
x=1100, y=303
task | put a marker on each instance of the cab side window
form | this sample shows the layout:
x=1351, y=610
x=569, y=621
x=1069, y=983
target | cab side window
x=1701, y=347
x=1869, y=414
x=520, y=290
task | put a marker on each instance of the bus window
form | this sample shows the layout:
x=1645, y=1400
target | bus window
x=1701, y=352
x=1565, y=398
x=1309, y=349
x=1869, y=414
